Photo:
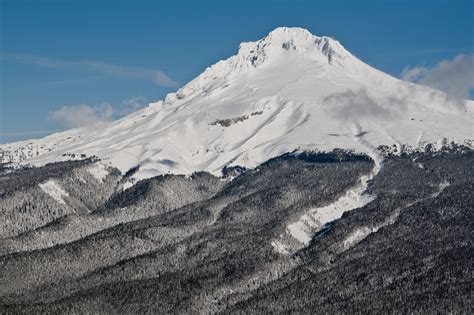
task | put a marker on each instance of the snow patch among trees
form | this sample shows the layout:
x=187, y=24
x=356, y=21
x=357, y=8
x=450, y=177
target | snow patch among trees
x=53, y=189
x=98, y=170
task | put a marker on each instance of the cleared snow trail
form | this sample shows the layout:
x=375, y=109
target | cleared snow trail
x=300, y=233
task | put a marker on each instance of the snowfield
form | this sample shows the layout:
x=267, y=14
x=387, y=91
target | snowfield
x=288, y=91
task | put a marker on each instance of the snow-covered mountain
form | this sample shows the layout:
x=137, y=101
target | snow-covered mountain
x=327, y=231
x=289, y=91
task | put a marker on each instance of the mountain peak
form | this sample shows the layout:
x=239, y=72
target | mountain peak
x=283, y=47
x=289, y=90
x=283, y=40
x=291, y=33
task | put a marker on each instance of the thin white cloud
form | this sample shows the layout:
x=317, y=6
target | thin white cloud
x=353, y=105
x=131, y=105
x=455, y=77
x=83, y=115
x=156, y=76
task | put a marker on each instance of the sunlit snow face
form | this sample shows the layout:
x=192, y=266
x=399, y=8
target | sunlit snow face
x=290, y=90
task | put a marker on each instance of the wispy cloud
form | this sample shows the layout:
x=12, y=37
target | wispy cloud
x=80, y=115
x=354, y=105
x=156, y=76
x=455, y=77
x=84, y=114
x=131, y=105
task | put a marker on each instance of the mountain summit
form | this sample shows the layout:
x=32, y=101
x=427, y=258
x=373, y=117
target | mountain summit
x=289, y=91
x=280, y=46
x=297, y=40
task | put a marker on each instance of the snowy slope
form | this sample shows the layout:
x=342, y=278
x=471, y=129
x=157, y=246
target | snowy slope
x=290, y=90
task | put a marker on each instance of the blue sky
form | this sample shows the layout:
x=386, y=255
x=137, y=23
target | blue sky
x=103, y=59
